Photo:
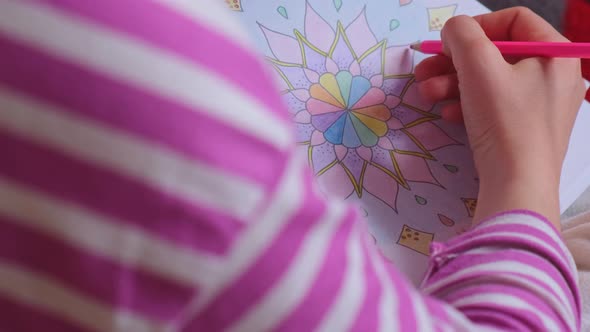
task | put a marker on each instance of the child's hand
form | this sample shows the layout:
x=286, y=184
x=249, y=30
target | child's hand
x=518, y=115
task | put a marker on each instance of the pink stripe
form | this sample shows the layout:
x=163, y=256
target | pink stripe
x=109, y=193
x=481, y=290
x=326, y=287
x=533, y=261
x=368, y=317
x=499, y=320
x=162, y=121
x=262, y=275
x=120, y=287
x=168, y=29
x=406, y=294
x=18, y=317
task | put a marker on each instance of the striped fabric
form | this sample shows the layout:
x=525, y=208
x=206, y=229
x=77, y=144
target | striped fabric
x=149, y=182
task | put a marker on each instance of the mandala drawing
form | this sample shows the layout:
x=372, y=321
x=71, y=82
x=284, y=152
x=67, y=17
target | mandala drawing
x=356, y=107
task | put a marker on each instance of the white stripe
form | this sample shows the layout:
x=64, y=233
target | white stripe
x=507, y=301
x=32, y=289
x=143, y=64
x=423, y=319
x=347, y=304
x=288, y=293
x=517, y=237
x=533, y=222
x=105, y=237
x=388, y=301
x=129, y=155
x=505, y=267
x=256, y=238
x=213, y=14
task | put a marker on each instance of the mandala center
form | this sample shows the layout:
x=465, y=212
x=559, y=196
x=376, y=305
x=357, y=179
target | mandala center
x=348, y=110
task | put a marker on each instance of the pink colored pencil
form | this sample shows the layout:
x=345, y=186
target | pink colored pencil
x=524, y=49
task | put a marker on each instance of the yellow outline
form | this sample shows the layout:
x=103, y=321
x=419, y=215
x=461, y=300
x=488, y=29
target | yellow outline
x=388, y=172
x=399, y=171
x=284, y=64
x=427, y=154
x=284, y=77
x=371, y=50
x=330, y=165
x=358, y=187
x=399, y=75
x=340, y=32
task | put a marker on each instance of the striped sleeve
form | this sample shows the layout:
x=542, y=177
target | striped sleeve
x=149, y=182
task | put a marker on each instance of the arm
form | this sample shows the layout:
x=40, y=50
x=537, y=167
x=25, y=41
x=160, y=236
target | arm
x=163, y=202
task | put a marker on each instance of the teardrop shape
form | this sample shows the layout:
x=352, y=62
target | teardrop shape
x=420, y=200
x=393, y=24
x=451, y=168
x=338, y=4
x=446, y=220
x=282, y=11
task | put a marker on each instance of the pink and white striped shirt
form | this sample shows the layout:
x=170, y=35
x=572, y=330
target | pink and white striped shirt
x=149, y=182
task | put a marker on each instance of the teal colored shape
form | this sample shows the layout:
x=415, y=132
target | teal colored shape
x=344, y=79
x=282, y=11
x=359, y=87
x=393, y=24
x=338, y=4
x=336, y=131
x=368, y=137
x=350, y=138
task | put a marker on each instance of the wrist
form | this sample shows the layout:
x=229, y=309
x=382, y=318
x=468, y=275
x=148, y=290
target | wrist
x=534, y=190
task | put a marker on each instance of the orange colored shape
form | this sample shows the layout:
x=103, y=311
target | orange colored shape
x=416, y=240
x=379, y=112
x=319, y=93
x=376, y=126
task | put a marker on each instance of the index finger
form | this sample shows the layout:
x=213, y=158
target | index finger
x=519, y=24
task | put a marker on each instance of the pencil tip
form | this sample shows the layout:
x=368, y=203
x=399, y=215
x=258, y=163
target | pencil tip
x=415, y=46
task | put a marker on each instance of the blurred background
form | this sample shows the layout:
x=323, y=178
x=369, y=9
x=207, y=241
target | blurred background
x=551, y=10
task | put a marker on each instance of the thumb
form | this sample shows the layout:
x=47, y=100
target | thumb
x=472, y=52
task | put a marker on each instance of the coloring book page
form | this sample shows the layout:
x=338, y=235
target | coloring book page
x=345, y=71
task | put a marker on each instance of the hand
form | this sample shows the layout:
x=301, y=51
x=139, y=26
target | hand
x=518, y=114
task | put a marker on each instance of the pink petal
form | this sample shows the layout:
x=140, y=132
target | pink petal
x=311, y=75
x=394, y=123
x=341, y=151
x=431, y=136
x=317, y=107
x=318, y=31
x=336, y=182
x=355, y=68
x=415, y=169
x=414, y=98
x=399, y=60
x=301, y=94
x=283, y=47
x=385, y=143
x=360, y=36
x=373, y=97
x=331, y=66
x=317, y=138
x=392, y=101
x=404, y=2
x=377, y=81
x=381, y=185
x=365, y=153
x=303, y=117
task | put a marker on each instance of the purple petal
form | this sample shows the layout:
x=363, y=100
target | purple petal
x=321, y=156
x=372, y=64
x=342, y=54
x=403, y=142
x=360, y=36
x=381, y=185
x=293, y=104
x=406, y=115
x=283, y=47
x=399, y=60
x=431, y=136
x=354, y=163
x=336, y=182
x=323, y=121
x=296, y=76
x=318, y=31
x=303, y=132
x=394, y=86
x=382, y=158
x=314, y=60
x=415, y=169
